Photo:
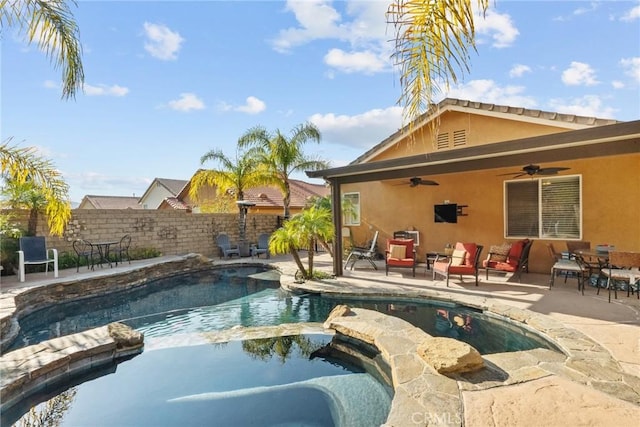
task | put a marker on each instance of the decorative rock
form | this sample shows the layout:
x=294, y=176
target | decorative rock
x=447, y=355
x=124, y=336
x=338, y=311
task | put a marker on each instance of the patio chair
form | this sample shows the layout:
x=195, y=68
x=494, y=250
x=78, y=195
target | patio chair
x=83, y=250
x=622, y=267
x=262, y=247
x=513, y=258
x=33, y=251
x=227, y=250
x=369, y=253
x=121, y=251
x=568, y=266
x=400, y=253
x=463, y=262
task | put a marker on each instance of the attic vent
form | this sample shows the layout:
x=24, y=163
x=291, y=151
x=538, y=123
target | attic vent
x=442, y=141
x=459, y=138
x=262, y=196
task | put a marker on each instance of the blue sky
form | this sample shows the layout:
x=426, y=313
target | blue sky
x=165, y=82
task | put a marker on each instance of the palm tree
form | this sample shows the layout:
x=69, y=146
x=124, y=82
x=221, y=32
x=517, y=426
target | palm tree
x=431, y=42
x=22, y=165
x=233, y=176
x=51, y=25
x=302, y=231
x=25, y=196
x=281, y=156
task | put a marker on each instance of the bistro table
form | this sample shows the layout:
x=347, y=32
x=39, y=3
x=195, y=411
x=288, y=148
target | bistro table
x=103, y=251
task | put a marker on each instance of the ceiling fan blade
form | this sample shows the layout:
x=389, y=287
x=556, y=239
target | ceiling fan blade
x=510, y=173
x=550, y=171
x=427, y=182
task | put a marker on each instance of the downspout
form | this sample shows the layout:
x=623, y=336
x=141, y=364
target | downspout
x=336, y=208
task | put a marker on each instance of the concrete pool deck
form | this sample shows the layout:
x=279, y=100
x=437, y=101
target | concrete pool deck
x=549, y=399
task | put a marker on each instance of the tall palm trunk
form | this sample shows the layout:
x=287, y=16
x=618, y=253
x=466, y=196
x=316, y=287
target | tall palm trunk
x=286, y=200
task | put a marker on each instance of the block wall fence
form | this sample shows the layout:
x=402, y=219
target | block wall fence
x=170, y=232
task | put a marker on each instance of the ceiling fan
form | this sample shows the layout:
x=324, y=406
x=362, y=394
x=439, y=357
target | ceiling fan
x=416, y=180
x=535, y=170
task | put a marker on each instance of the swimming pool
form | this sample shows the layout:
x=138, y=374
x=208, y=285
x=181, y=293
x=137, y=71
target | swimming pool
x=203, y=302
x=267, y=382
x=196, y=303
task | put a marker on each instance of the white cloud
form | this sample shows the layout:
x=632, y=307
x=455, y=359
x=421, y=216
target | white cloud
x=187, y=102
x=162, y=43
x=361, y=130
x=104, y=90
x=588, y=105
x=518, y=70
x=496, y=25
x=579, y=73
x=632, y=67
x=617, y=84
x=491, y=92
x=631, y=15
x=362, y=26
x=253, y=105
x=350, y=62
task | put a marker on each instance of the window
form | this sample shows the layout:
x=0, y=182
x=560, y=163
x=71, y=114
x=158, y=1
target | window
x=351, y=208
x=544, y=208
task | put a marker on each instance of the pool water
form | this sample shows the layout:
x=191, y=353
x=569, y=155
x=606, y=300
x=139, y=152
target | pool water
x=202, y=303
x=231, y=383
x=266, y=382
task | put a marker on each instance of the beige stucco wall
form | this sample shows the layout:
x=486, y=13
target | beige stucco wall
x=171, y=232
x=610, y=197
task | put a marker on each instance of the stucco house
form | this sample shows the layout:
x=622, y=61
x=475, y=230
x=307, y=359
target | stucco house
x=512, y=173
x=266, y=199
x=159, y=190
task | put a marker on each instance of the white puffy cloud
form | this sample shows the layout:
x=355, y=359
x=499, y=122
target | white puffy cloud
x=186, y=103
x=588, y=105
x=632, y=67
x=161, y=42
x=361, y=130
x=631, y=15
x=498, y=26
x=104, y=90
x=518, y=70
x=350, y=62
x=253, y=105
x=579, y=74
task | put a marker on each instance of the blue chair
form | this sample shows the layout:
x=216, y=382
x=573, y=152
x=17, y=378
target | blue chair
x=227, y=250
x=262, y=247
x=33, y=250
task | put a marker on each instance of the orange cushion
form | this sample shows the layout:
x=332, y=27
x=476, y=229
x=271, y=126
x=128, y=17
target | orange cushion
x=471, y=249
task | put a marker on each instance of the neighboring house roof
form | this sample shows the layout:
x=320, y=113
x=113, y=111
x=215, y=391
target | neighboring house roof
x=567, y=121
x=301, y=191
x=109, y=202
x=264, y=196
x=173, y=186
x=173, y=203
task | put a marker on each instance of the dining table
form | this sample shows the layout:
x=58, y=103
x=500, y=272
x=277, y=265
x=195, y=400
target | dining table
x=103, y=249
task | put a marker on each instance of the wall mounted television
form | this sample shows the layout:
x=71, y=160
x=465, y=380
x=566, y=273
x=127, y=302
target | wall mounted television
x=445, y=213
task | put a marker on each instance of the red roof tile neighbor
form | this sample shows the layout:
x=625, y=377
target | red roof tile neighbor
x=175, y=203
x=272, y=196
